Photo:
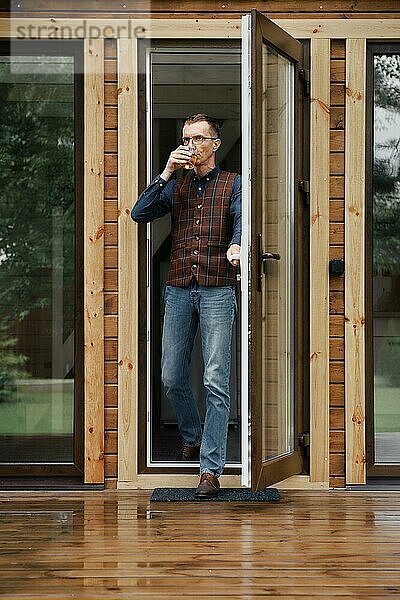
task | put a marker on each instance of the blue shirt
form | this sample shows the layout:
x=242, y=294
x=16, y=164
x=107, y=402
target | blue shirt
x=156, y=200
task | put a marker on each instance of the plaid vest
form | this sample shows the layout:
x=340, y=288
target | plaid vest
x=201, y=232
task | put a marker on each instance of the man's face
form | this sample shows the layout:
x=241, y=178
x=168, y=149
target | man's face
x=204, y=151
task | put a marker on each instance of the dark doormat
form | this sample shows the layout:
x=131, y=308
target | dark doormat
x=225, y=495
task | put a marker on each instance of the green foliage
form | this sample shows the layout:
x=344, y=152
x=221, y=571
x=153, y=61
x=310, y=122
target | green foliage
x=36, y=197
x=387, y=82
x=11, y=365
x=37, y=187
x=390, y=361
x=386, y=198
x=386, y=218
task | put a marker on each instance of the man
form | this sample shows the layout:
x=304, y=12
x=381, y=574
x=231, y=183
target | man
x=205, y=207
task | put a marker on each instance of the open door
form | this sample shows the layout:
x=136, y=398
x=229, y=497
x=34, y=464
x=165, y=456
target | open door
x=271, y=277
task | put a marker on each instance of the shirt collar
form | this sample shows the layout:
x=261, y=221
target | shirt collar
x=208, y=176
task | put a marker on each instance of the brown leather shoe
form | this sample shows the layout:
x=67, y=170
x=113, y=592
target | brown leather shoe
x=208, y=486
x=189, y=453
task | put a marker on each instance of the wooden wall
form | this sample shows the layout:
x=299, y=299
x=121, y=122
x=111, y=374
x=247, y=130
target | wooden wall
x=110, y=260
x=274, y=8
x=336, y=251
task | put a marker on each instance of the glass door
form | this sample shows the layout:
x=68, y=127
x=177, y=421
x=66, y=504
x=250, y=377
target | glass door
x=383, y=262
x=272, y=291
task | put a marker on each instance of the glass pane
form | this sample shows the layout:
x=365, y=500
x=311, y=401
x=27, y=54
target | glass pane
x=386, y=257
x=184, y=83
x=37, y=250
x=276, y=146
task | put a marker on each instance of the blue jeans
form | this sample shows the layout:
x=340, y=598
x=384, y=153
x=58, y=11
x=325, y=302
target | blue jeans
x=214, y=308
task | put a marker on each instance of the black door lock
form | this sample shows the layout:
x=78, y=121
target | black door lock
x=336, y=266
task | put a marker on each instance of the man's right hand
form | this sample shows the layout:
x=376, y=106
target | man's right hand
x=176, y=160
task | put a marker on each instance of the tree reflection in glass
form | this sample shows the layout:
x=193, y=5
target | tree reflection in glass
x=37, y=239
x=386, y=257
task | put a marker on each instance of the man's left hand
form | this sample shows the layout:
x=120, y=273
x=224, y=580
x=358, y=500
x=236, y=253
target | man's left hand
x=234, y=249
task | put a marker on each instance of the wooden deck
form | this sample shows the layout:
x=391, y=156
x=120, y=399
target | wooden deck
x=115, y=545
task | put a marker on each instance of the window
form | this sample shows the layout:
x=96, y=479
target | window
x=384, y=253
x=40, y=241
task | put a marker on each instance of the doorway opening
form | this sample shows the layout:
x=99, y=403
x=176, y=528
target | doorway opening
x=181, y=82
x=235, y=82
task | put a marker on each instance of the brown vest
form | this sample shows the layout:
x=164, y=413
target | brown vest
x=201, y=232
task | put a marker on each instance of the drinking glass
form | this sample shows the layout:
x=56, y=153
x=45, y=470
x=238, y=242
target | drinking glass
x=192, y=159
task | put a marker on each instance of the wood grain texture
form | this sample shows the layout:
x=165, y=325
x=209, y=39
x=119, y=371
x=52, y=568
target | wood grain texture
x=110, y=280
x=336, y=418
x=111, y=258
x=336, y=348
x=93, y=262
x=127, y=262
x=336, y=442
x=338, y=50
x=110, y=206
x=337, y=163
x=355, y=261
x=110, y=483
x=111, y=442
x=336, y=210
x=110, y=372
x=337, y=482
x=348, y=8
x=336, y=371
x=336, y=284
x=336, y=326
x=111, y=418
x=111, y=303
x=336, y=233
x=319, y=258
x=56, y=27
x=337, y=141
x=110, y=396
x=336, y=252
x=111, y=232
x=336, y=395
x=336, y=303
x=337, y=117
x=117, y=544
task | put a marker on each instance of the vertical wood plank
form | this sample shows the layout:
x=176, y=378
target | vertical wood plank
x=127, y=262
x=94, y=261
x=355, y=261
x=319, y=260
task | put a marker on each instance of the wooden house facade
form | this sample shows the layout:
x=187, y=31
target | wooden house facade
x=294, y=84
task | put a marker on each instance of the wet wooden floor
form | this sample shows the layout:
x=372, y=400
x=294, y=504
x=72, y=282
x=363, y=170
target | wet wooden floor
x=116, y=545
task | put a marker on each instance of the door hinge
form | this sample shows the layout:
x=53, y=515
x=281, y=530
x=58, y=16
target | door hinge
x=304, y=187
x=304, y=75
x=304, y=439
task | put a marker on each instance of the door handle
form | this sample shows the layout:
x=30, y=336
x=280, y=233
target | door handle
x=271, y=255
x=261, y=261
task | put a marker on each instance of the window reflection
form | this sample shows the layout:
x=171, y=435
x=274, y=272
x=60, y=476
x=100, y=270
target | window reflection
x=276, y=146
x=37, y=251
x=386, y=257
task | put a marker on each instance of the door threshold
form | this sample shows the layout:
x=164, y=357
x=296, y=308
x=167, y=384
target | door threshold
x=300, y=482
x=47, y=484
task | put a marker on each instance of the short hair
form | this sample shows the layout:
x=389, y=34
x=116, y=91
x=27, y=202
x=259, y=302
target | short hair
x=213, y=123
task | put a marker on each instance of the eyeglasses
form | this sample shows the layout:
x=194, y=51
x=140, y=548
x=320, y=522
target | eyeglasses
x=197, y=140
